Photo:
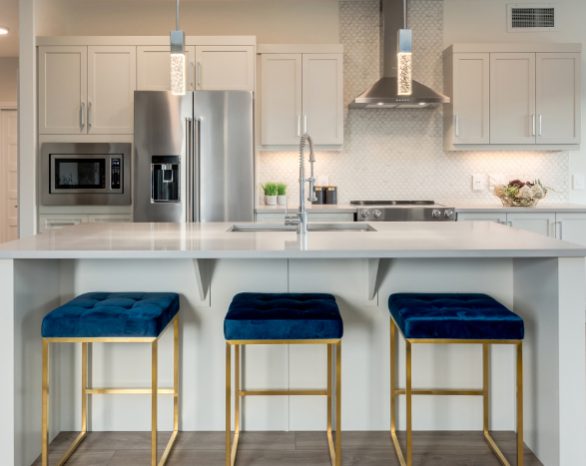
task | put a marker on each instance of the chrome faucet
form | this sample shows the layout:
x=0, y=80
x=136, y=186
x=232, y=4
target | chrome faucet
x=302, y=214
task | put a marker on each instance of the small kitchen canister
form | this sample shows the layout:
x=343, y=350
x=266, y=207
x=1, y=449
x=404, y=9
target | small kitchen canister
x=319, y=195
x=331, y=195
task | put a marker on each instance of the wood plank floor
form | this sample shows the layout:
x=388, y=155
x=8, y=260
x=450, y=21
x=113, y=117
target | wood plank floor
x=287, y=449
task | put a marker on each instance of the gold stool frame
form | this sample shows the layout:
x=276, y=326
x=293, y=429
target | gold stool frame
x=86, y=390
x=335, y=448
x=409, y=391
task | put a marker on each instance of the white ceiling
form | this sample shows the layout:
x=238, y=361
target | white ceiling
x=9, y=19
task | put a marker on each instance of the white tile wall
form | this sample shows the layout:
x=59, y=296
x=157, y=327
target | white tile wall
x=399, y=153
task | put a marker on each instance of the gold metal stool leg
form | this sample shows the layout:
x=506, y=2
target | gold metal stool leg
x=520, y=445
x=409, y=399
x=338, y=457
x=154, y=393
x=45, y=407
x=228, y=404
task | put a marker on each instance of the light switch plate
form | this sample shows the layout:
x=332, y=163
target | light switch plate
x=578, y=182
x=479, y=182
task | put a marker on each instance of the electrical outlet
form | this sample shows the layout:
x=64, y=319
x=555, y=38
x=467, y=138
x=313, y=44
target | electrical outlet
x=478, y=182
x=578, y=182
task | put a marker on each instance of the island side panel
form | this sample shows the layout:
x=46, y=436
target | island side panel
x=7, y=362
x=549, y=294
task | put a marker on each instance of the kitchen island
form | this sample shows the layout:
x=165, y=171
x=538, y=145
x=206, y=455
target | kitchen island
x=541, y=278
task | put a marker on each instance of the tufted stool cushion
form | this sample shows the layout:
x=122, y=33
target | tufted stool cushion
x=283, y=316
x=112, y=315
x=467, y=316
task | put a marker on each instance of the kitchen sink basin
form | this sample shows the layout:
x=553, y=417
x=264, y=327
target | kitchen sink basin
x=276, y=227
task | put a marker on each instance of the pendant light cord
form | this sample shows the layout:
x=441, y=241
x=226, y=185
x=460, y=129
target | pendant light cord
x=404, y=13
x=177, y=16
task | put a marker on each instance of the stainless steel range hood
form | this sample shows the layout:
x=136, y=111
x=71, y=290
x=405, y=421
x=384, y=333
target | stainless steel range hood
x=383, y=93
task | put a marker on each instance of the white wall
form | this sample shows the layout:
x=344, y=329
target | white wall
x=281, y=21
x=8, y=79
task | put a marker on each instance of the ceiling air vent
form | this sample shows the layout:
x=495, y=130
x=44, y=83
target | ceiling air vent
x=531, y=18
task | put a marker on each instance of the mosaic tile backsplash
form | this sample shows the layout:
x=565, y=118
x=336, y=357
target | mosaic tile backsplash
x=398, y=154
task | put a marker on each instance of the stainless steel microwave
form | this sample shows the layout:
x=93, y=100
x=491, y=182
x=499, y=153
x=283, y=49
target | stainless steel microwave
x=85, y=174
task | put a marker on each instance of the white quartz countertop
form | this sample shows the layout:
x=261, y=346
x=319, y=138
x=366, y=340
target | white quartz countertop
x=461, y=206
x=214, y=241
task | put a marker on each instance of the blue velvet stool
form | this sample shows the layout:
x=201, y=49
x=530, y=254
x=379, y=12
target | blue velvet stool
x=113, y=318
x=453, y=318
x=284, y=318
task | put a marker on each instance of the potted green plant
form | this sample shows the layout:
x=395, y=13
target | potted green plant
x=281, y=194
x=270, y=190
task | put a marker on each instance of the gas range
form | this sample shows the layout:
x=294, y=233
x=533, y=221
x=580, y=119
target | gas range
x=402, y=211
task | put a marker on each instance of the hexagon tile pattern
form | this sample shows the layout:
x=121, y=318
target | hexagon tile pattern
x=398, y=154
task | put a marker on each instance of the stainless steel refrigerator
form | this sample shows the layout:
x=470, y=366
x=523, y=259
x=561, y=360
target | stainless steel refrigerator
x=193, y=156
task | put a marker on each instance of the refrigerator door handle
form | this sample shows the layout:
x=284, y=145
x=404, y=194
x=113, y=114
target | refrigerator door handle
x=188, y=169
x=196, y=182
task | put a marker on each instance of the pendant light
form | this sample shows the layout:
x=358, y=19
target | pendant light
x=177, y=57
x=405, y=57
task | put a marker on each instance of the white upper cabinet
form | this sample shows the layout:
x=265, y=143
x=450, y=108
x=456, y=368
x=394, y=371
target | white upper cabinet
x=225, y=68
x=469, y=110
x=153, y=68
x=531, y=100
x=323, y=95
x=512, y=98
x=557, y=103
x=111, y=86
x=281, y=98
x=62, y=90
x=86, y=90
x=301, y=89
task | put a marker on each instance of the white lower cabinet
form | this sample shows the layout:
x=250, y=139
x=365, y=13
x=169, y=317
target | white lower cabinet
x=312, y=217
x=56, y=221
x=565, y=226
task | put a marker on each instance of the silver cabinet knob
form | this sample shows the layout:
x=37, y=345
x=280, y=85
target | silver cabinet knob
x=449, y=213
x=377, y=213
x=436, y=213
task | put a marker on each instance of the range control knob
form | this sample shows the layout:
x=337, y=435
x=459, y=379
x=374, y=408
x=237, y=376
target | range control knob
x=364, y=214
x=436, y=213
x=450, y=214
x=377, y=213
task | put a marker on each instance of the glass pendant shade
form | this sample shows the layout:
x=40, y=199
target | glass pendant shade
x=405, y=62
x=178, y=73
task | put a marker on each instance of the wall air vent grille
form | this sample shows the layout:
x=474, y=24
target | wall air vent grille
x=531, y=18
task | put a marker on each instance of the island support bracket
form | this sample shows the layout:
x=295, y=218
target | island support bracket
x=376, y=272
x=203, y=276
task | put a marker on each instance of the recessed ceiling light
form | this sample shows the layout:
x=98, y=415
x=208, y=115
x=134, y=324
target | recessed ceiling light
x=3, y=31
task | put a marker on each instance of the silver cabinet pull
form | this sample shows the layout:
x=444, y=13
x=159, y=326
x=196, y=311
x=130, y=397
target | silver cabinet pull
x=198, y=73
x=457, y=125
x=192, y=76
x=298, y=125
x=533, y=124
x=82, y=115
x=304, y=124
x=561, y=223
x=540, y=125
x=89, y=115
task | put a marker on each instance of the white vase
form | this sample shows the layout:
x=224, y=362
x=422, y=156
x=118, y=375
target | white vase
x=282, y=199
x=271, y=200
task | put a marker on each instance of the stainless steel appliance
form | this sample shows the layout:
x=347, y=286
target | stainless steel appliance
x=194, y=156
x=85, y=174
x=403, y=211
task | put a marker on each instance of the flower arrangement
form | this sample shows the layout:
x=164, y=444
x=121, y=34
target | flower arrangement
x=519, y=193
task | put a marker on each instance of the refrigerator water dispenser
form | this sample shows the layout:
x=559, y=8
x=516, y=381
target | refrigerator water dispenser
x=165, y=178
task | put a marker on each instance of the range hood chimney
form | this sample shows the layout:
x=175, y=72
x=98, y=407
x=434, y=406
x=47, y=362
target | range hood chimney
x=384, y=93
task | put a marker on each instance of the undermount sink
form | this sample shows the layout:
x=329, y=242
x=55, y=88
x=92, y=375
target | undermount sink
x=276, y=227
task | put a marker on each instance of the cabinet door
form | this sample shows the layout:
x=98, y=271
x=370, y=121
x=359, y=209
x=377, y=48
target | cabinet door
x=111, y=86
x=153, y=68
x=225, y=68
x=62, y=90
x=480, y=216
x=557, y=98
x=323, y=95
x=471, y=98
x=512, y=98
x=280, y=99
x=541, y=223
x=571, y=227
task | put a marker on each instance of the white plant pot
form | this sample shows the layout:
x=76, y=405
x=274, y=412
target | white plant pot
x=282, y=200
x=271, y=200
